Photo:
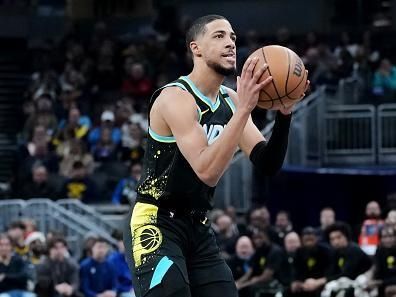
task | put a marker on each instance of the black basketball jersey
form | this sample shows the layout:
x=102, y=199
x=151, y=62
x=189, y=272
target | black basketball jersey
x=167, y=178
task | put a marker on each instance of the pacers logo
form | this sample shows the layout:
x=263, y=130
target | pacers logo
x=146, y=240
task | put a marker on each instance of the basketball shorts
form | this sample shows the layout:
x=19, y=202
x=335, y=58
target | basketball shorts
x=179, y=249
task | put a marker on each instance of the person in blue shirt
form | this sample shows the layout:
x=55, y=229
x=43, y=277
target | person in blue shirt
x=125, y=192
x=107, y=121
x=117, y=259
x=98, y=277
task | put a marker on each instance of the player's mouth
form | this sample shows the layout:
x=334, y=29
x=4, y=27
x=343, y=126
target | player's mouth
x=230, y=57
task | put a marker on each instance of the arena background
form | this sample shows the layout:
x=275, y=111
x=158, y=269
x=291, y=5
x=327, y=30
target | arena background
x=76, y=76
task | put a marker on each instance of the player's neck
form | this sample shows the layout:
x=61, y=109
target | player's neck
x=207, y=81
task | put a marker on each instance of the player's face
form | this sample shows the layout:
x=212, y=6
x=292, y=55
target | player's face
x=218, y=47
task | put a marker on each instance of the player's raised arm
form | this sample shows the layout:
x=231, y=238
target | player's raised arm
x=267, y=156
x=208, y=161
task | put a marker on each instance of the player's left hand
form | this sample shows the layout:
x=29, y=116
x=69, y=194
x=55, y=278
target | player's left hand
x=286, y=110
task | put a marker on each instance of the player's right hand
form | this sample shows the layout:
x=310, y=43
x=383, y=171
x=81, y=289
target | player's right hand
x=248, y=87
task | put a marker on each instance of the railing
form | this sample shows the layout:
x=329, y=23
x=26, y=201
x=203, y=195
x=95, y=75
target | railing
x=321, y=134
x=52, y=217
x=86, y=211
x=350, y=134
x=306, y=135
x=386, y=132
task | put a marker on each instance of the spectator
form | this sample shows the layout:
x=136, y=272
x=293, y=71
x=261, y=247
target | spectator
x=98, y=276
x=384, y=81
x=16, y=232
x=125, y=192
x=269, y=267
x=391, y=218
x=37, y=248
x=41, y=154
x=137, y=84
x=132, y=143
x=283, y=225
x=312, y=266
x=44, y=116
x=13, y=271
x=105, y=150
x=79, y=185
x=370, y=229
x=260, y=218
x=40, y=186
x=40, y=135
x=349, y=260
x=76, y=126
x=240, y=262
x=117, y=259
x=327, y=218
x=30, y=226
x=226, y=235
x=292, y=243
x=89, y=241
x=72, y=151
x=57, y=275
x=385, y=263
x=107, y=122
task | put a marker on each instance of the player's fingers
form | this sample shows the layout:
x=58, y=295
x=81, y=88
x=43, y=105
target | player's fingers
x=307, y=84
x=264, y=83
x=260, y=72
x=245, y=66
x=250, y=68
x=238, y=78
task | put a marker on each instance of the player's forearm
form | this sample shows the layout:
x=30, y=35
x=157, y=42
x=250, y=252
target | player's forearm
x=269, y=157
x=216, y=157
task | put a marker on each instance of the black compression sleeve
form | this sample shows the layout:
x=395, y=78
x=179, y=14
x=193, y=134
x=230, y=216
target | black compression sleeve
x=269, y=156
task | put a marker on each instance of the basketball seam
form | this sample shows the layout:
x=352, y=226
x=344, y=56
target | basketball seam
x=288, y=71
x=296, y=87
x=272, y=101
x=269, y=71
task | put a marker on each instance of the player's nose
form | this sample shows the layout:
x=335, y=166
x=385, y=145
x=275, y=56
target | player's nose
x=230, y=43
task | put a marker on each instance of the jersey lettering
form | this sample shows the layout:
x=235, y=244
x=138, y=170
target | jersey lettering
x=213, y=132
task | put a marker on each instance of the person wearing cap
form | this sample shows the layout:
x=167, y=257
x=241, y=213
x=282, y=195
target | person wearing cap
x=107, y=120
x=36, y=243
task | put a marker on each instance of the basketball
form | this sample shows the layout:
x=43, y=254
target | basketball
x=288, y=73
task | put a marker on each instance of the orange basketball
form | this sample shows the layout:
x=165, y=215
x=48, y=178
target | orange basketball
x=288, y=73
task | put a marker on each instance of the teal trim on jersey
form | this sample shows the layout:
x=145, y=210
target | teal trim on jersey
x=201, y=96
x=175, y=84
x=227, y=99
x=160, y=270
x=160, y=138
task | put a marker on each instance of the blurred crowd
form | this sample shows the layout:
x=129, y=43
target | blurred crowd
x=267, y=257
x=85, y=113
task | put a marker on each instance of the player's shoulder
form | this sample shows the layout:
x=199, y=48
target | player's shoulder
x=174, y=92
x=172, y=96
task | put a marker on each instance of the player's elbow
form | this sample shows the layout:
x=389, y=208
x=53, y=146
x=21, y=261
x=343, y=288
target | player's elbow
x=209, y=178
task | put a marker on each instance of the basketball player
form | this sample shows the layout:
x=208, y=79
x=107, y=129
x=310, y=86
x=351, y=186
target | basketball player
x=195, y=127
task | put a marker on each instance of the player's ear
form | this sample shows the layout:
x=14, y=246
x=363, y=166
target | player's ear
x=195, y=49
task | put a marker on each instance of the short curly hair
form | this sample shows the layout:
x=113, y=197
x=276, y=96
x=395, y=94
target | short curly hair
x=342, y=227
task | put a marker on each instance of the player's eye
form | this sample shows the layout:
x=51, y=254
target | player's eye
x=219, y=36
